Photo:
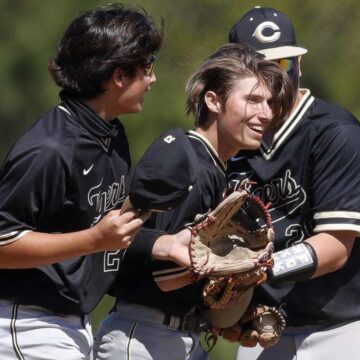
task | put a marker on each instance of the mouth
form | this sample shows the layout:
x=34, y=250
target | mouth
x=259, y=129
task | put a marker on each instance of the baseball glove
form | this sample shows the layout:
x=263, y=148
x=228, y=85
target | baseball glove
x=260, y=324
x=232, y=245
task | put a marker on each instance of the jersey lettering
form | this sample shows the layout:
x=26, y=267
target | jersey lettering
x=104, y=201
x=284, y=193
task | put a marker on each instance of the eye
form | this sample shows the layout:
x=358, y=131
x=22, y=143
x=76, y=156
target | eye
x=253, y=99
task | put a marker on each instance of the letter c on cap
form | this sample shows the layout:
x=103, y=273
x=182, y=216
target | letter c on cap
x=258, y=33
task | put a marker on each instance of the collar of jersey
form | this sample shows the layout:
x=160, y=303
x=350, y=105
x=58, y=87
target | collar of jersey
x=288, y=127
x=88, y=119
x=209, y=148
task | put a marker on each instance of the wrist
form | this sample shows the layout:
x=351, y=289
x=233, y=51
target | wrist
x=93, y=240
x=297, y=263
x=161, y=248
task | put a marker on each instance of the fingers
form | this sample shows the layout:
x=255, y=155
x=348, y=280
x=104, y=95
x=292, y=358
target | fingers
x=232, y=333
x=249, y=338
x=117, y=231
x=144, y=215
x=129, y=223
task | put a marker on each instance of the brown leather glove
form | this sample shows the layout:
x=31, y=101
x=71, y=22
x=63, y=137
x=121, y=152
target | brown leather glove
x=260, y=324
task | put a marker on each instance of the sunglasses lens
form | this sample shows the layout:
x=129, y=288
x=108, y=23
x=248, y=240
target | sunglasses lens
x=150, y=65
x=285, y=64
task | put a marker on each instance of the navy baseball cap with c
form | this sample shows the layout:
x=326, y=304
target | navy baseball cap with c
x=269, y=31
x=165, y=174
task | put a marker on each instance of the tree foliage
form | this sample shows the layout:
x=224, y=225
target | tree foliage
x=31, y=29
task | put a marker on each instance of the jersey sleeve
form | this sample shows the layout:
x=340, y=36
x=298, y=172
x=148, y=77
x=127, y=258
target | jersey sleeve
x=32, y=187
x=335, y=183
x=204, y=197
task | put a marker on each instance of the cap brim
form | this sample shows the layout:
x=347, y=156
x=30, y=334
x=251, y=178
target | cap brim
x=282, y=52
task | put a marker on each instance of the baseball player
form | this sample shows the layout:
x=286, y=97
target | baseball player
x=309, y=169
x=60, y=184
x=156, y=315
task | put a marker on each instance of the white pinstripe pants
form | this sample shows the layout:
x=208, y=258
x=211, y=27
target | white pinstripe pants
x=339, y=342
x=34, y=333
x=135, y=332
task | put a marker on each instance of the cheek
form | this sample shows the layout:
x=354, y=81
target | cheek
x=237, y=115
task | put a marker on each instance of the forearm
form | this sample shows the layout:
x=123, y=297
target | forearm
x=332, y=249
x=318, y=255
x=36, y=249
x=142, y=248
x=176, y=283
x=174, y=248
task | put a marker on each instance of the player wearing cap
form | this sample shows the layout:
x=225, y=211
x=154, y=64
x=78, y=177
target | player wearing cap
x=309, y=169
x=232, y=103
x=61, y=183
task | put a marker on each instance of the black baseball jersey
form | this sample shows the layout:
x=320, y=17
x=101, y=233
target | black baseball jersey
x=63, y=175
x=311, y=176
x=136, y=280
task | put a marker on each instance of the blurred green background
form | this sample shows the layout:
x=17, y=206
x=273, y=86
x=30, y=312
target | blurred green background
x=31, y=29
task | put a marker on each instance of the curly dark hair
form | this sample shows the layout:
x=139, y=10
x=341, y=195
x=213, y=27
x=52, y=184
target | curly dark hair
x=99, y=41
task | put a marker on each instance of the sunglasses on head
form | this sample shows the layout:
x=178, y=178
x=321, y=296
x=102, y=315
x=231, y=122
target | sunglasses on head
x=286, y=64
x=149, y=65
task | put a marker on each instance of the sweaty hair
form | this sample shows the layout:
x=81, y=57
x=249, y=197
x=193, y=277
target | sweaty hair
x=220, y=71
x=99, y=41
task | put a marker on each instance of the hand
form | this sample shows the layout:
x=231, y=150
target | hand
x=116, y=231
x=174, y=248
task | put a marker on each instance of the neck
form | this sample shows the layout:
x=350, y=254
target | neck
x=210, y=133
x=99, y=106
x=299, y=96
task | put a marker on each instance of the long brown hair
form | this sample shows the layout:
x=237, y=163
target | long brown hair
x=221, y=70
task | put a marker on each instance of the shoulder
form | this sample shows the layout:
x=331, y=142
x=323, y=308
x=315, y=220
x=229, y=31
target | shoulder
x=206, y=157
x=323, y=122
x=48, y=138
x=324, y=113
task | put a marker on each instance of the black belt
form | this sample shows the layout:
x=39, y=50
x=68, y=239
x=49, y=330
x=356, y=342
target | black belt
x=190, y=322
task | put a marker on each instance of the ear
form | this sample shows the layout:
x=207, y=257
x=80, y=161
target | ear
x=117, y=77
x=212, y=101
x=299, y=61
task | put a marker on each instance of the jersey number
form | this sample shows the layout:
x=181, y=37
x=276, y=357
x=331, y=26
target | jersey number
x=111, y=261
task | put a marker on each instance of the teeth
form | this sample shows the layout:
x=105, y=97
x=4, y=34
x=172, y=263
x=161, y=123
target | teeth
x=258, y=128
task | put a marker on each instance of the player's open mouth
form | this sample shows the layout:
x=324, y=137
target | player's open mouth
x=257, y=128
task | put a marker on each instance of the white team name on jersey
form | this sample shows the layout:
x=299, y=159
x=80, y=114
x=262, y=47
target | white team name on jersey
x=108, y=199
x=284, y=193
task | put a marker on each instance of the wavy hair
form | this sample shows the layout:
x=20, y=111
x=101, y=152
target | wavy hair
x=99, y=41
x=220, y=71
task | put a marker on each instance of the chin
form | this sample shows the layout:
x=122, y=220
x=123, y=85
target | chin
x=136, y=110
x=252, y=146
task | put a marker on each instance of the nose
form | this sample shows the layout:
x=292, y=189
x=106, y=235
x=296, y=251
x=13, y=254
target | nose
x=153, y=78
x=265, y=112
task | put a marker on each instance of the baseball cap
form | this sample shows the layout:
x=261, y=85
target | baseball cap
x=269, y=31
x=165, y=174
